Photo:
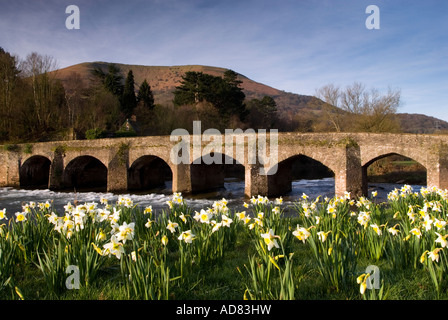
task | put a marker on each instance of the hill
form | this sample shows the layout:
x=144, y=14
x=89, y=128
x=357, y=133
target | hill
x=164, y=79
x=420, y=123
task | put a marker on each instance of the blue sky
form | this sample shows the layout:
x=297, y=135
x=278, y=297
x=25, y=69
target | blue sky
x=292, y=45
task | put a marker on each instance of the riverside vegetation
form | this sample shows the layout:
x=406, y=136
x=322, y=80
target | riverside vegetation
x=319, y=251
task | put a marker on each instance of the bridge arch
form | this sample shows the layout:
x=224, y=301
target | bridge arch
x=85, y=172
x=296, y=167
x=35, y=172
x=148, y=172
x=420, y=164
x=210, y=171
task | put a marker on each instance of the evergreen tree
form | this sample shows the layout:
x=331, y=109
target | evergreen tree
x=223, y=93
x=262, y=113
x=145, y=96
x=129, y=100
x=112, y=80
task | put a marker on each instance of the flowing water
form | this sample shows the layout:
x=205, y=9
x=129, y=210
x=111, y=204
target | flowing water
x=12, y=199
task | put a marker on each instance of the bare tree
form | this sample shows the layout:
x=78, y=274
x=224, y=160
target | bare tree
x=361, y=109
x=74, y=87
x=331, y=95
x=37, y=68
x=8, y=81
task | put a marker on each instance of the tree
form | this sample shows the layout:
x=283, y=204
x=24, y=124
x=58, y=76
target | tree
x=145, y=96
x=262, y=113
x=223, y=93
x=112, y=80
x=9, y=77
x=330, y=95
x=47, y=92
x=233, y=96
x=129, y=100
x=74, y=96
x=361, y=109
x=192, y=89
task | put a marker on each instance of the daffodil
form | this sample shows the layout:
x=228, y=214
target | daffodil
x=362, y=280
x=172, y=226
x=20, y=216
x=102, y=215
x=427, y=223
x=134, y=256
x=376, y=228
x=149, y=223
x=187, y=236
x=216, y=225
x=147, y=210
x=53, y=218
x=363, y=218
x=126, y=232
x=270, y=239
x=416, y=232
x=100, y=252
x=323, y=235
x=393, y=230
x=114, y=216
x=3, y=214
x=434, y=255
x=203, y=216
x=423, y=256
x=439, y=224
x=164, y=240
x=101, y=235
x=301, y=233
x=346, y=195
x=241, y=215
x=114, y=247
x=226, y=221
x=442, y=240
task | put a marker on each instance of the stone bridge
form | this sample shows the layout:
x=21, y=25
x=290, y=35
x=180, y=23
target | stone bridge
x=141, y=163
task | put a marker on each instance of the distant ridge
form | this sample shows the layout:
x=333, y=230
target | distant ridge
x=420, y=123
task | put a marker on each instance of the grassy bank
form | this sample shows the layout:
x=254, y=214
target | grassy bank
x=121, y=251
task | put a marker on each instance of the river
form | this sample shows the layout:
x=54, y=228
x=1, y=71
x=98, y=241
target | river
x=12, y=199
